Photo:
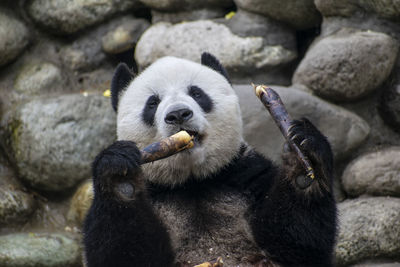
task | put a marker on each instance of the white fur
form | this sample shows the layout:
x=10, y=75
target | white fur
x=169, y=78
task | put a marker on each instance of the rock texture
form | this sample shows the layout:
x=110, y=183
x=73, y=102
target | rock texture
x=190, y=15
x=15, y=206
x=178, y=5
x=189, y=40
x=345, y=130
x=66, y=17
x=38, y=250
x=54, y=140
x=246, y=24
x=369, y=228
x=86, y=52
x=378, y=264
x=124, y=37
x=387, y=9
x=337, y=68
x=40, y=78
x=376, y=173
x=14, y=37
x=300, y=14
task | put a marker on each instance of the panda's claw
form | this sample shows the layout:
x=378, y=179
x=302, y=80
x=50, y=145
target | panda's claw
x=290, y=128
x=303, y=143
x=294, y=137
x=313, y=145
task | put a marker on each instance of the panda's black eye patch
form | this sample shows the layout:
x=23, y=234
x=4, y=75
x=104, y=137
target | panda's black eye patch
x=150, y=108
x=201, y=98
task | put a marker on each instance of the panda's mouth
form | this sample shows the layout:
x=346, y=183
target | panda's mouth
x=197, y=137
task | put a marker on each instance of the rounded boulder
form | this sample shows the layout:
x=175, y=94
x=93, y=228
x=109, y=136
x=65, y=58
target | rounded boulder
x=375, y=173
x=14, y=37
x=369, y=229
x=347, y=65
x=55, y=140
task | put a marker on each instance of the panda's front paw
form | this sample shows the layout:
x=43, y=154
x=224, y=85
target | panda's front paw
x=315, y=147
x=117, y=172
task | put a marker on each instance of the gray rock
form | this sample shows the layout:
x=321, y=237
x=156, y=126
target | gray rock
x=97, y=80
x=55, y=140
x=189, y=40
x=7, y=176
x=190, y=15
x=378, y=264
x=66, y=17
x=38, y=250
x=180, y=5
x=345, y=130
x=14, y=37
x=387, y=9
x=336, y=67
x=246, y=24
x=273, y=33
x=369, y=229
x=87, y=51
x=76, y=59
x=298, y=14
x=376, y=173
x=330, y=25
x=41, y=78
x=124, y=37
x=15, y=206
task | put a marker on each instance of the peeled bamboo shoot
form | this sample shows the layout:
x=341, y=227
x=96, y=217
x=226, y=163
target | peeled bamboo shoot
x=167, y=147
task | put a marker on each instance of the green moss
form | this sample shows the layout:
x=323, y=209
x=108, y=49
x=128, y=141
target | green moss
x=14, y=132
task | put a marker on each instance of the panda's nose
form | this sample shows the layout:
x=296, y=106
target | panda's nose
x=178, y=116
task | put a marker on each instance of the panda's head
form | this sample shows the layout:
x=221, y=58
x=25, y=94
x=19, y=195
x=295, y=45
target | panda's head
x=175, y=94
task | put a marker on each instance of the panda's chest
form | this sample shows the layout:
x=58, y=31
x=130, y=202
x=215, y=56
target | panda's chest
x=206, y=225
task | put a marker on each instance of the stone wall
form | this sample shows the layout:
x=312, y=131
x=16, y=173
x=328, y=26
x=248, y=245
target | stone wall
x=333, y=61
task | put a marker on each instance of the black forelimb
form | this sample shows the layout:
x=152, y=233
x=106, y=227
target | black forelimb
x=296, y=223
x=121, y=228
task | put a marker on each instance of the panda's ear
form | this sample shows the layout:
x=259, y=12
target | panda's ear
x=212, y=62
x=121, y=79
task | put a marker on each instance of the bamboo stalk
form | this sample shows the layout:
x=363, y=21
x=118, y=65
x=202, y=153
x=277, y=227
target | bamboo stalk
x=279, y=114
x=167, y=147
x=218, y=263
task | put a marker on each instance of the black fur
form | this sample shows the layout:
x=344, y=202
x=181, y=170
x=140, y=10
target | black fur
x=122, y=77
x=201, y=98
x=120, y=232
x=301, y=228
x=212, y=62
x=149, y=110
x=293, y=226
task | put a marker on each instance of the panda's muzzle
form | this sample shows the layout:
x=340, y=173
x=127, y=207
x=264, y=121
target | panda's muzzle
x=180, y=118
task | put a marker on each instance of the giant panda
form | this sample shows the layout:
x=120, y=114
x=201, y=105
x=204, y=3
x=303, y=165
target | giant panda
x=218, y=199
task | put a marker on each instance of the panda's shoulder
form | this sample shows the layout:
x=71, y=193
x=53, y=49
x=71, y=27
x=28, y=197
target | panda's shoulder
x=252, y=172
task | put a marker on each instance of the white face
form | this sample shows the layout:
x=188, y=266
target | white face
x=219, y=129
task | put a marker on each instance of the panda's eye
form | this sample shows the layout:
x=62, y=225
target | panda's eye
x=195, y=94
x=153, y=102
x=201, y=98
x=150, y=108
